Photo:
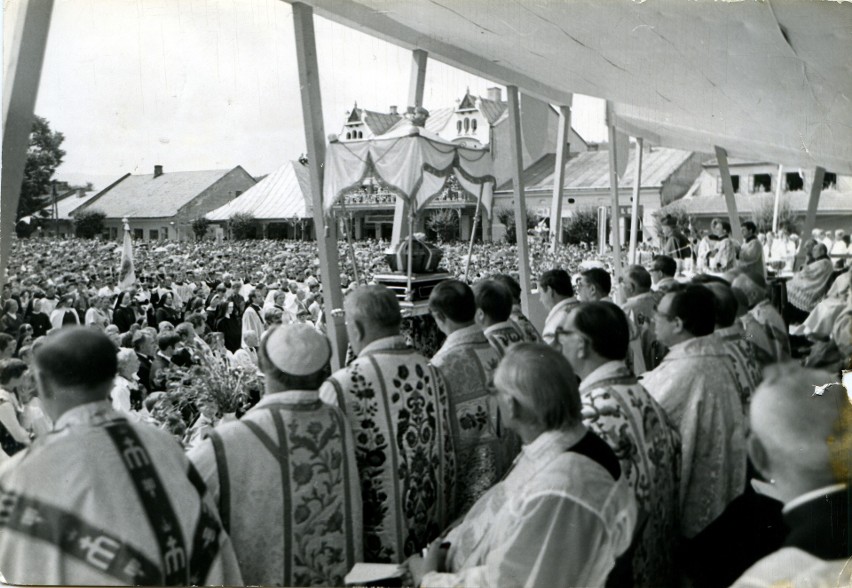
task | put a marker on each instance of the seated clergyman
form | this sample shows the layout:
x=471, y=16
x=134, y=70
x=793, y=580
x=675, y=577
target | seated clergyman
x=808, y=462
x=562, y=515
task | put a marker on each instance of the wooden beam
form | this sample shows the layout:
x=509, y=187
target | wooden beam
x=562, y=135
x=306, y=59
x=634, y=209
x=810, y=217
x=416, y=85
x=517, y=148
x=728, y=189
x=613, y=189
x=21, y=80
x=778, y=186
x=417, y=81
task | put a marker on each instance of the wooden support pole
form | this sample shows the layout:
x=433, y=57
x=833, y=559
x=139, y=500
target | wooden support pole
x=520, y=198
x=306, y=59
x=472, y=234
x=634, y=209
x=775, y=208
x=417, y=79
x=728, y=189
x=613, y=189
x=416, y=85
x=810, y=217
x=563, y=132
x=20, y=88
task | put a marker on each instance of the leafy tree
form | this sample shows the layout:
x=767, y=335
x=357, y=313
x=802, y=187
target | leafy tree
x=685, y=221
x=444, y=223
x=43, y=157
x=582, y=227
x=200, y=227
x=243, y=226
x=88, y=224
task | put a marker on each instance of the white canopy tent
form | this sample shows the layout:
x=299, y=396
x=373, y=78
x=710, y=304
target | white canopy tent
x=414, y=164
x=769, y=80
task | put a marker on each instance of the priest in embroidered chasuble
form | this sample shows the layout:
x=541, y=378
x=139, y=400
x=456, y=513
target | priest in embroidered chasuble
x=696, y=386
x=398, y=408
x=467, y=362
x=562, y=515
x=635, y=426
x=557, y=296
x=284, y=475
x=763, y=324
x=493, y=314
x=523, y=324
x=733, y=338
x=100, y=500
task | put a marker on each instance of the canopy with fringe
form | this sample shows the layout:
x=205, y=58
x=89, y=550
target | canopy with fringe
x=412, y=162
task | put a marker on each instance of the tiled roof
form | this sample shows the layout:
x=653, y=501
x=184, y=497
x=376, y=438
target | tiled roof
x=285, y=193
x=144, y=196
x=379, y=122
x=830, y=202
x=69, y=203
x=590, y=170
x=492, y=110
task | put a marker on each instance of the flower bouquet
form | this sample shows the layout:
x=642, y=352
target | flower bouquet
x=211, y=387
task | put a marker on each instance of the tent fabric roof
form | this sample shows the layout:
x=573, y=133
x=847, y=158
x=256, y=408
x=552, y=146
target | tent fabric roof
x=830, y=202
x=590, y=170
x=767, y=80
x=285, y=193
x=144, y=196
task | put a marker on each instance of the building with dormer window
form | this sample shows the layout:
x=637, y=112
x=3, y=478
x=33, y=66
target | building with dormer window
x=367, y=124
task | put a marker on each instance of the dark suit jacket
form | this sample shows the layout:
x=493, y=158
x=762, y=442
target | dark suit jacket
x=821, y=526
x=144, y=372
x=158, y=378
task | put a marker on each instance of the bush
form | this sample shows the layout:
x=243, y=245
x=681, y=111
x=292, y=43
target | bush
x=762, y=215
x=582, y=227
x=444, y=223
x=88, y=224
x=200, y=227
x=506, y=215
x=243, y=226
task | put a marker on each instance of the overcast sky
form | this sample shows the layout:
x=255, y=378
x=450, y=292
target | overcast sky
x=208, y=84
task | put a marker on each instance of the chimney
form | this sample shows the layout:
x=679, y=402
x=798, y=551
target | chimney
x=158, y=171
x=495, y=94
x=393, y=109
x=81, y=192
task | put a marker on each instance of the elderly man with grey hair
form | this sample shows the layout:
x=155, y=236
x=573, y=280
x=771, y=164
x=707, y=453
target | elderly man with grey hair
x=563, y=514
x=399, y=410
x=808, y=462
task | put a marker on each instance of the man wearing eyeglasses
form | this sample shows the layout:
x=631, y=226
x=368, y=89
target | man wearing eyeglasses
x=557, y=295
x=697, y=387
x=663, y=269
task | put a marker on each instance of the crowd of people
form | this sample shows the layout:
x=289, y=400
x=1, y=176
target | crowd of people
x=654, y=431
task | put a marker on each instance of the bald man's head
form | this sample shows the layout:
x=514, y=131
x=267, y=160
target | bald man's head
x=800, y=438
